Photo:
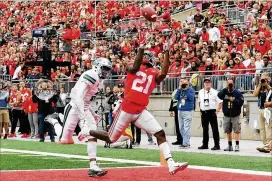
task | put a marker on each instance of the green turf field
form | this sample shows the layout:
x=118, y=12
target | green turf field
x=200, y=159
x=11, y=161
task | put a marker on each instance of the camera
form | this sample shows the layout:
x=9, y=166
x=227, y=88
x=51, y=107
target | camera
x=263, y=81
x=45, y=33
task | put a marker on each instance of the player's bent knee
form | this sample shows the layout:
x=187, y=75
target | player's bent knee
x=161, y=138
x=160, y=133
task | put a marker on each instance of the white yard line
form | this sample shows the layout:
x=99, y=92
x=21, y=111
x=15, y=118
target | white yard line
x=249, y=172
x=32, y=155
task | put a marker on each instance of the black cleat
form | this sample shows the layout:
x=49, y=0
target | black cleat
x=176, y=143
x=203, y=147
x=229, y=148
x=6, y=136
x=215, y=148
x=97, y=173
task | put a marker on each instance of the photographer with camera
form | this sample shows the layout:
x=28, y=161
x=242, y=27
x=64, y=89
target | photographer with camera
x=185, y=96
x=262, y=92
x=233, y=101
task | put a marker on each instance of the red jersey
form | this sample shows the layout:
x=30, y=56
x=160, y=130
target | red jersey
x=29, y=106
x=138, y=88
x=15, y=99
x=25, y=93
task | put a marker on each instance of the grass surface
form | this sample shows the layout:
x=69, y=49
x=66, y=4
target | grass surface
x=201, y=159
x=32, y=162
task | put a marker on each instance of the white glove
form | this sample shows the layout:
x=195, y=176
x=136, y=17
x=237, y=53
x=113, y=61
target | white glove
x=166, y=46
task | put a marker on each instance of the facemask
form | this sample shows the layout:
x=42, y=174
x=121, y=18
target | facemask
x=183, y=86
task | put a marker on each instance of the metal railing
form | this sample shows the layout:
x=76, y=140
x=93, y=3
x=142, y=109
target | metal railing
x=5, y=77
x=243, y=82
x=233, y=13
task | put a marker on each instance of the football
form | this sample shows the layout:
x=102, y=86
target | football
x=149, y=13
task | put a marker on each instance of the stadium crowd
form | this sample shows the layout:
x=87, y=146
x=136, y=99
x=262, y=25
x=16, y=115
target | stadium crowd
x=207, y=43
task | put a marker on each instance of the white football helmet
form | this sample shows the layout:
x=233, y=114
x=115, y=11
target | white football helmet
x=103, y=67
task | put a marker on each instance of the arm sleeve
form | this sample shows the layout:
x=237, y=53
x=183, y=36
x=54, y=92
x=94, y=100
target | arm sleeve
x=221, y=94
x=55, y=98
x=171, y=106
x=191, y=94
x=34, y=97
x=239, y=99
x=79, y=100
x=199, y=97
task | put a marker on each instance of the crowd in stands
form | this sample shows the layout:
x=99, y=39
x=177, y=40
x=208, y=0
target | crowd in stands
x=207, y=44
x=206, y=41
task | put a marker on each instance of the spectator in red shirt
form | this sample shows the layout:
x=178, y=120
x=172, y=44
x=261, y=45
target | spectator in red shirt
x=239, y=66
x=175, y=68
x=264, y=29
x=250, y=72
x=175, y=24
x=31, y=109
x=205, y=35
x=262, y=45
x=251, y=66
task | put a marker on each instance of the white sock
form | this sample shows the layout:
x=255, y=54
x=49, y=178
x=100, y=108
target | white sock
x=92, y=163
x=91, y=149
x=165, y=149
x=58, y=129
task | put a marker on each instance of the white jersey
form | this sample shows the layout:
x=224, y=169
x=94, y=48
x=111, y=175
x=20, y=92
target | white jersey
x=86, y=87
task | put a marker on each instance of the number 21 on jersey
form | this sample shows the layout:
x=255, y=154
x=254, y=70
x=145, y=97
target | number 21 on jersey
x=138, y=84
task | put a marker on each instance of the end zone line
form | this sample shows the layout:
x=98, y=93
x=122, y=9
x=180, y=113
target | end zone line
x=249, y=172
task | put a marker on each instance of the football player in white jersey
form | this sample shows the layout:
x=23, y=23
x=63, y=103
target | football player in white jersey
x=78, y=111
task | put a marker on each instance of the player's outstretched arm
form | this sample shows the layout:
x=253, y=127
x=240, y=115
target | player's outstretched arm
x=165, y=66
x=138, y=61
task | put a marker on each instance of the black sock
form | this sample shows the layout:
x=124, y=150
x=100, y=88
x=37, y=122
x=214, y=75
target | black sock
x=230, y=143
x=237, y=142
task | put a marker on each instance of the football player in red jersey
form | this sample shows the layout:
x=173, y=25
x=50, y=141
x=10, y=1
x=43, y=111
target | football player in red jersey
x=142, y=78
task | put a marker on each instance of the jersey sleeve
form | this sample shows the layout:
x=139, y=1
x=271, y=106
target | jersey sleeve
x=90, y=78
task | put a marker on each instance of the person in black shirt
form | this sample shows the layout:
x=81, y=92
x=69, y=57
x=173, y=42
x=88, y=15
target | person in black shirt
x=233, y=101
x=45, y=108
x=198, y=17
